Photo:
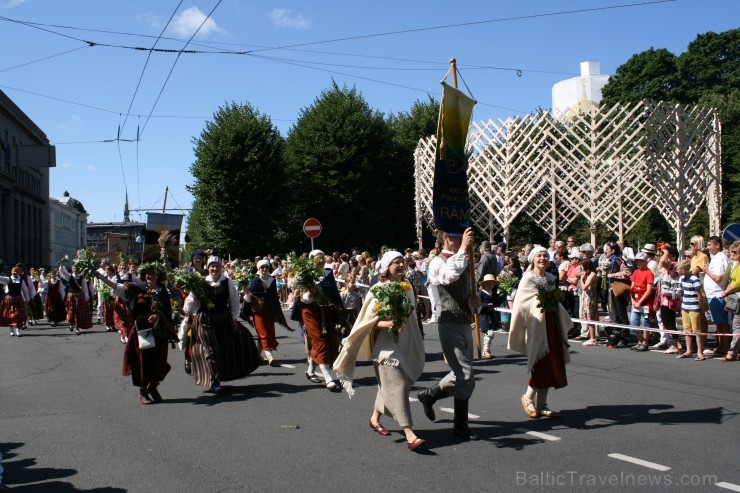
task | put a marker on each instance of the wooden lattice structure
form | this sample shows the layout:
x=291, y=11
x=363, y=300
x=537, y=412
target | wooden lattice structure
x=609, y=165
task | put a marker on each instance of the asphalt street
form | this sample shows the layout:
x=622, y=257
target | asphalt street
x=631, y=421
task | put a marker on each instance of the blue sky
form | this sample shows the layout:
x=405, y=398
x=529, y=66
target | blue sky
x=509, y=53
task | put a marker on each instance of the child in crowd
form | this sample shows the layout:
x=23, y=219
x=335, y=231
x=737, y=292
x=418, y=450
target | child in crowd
x=691, y=310
x=641, y=295
x=352, y=301
x=589, y=299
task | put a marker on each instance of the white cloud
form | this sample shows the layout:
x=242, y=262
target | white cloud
x=189, y=20
x=68, y=165
x=151, y=19
x=91, y=168
x=9, y=4
x=283, y=18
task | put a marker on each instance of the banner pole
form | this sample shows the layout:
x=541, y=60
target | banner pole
x=471, y=255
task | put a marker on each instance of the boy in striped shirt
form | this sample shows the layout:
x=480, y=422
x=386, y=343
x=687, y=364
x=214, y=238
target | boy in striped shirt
x=691, y=310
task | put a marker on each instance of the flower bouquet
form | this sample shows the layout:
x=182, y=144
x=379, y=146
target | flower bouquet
x=244, y=272
x=392, y=302
x=303, y=273
x=549, y=295
x=86, y=263
x=192, y=282
x=105, y=293
x=507, y=283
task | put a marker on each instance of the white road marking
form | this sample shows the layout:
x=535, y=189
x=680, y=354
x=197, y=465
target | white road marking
x=729, y=486
x=640, y=462
x=452, y=411
x=413, y=399
x=537, y=434
x=283, y=365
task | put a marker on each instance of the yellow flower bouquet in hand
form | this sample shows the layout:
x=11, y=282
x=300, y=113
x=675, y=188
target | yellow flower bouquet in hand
x=392, y=303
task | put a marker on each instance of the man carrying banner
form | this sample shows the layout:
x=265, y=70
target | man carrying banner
x=449, y=276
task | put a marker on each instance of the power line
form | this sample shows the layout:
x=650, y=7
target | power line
x=44, y=58
x=175, y=63
x=141, y=76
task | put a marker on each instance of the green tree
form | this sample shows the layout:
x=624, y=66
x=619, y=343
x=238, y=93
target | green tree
x=239, y=182
x=407, y=128
x=339, y=170
x=647, y=75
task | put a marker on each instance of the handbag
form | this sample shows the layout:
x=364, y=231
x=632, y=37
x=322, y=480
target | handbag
x=620, y=289
x=257, y=304
x=732, y=303
x=146, y=338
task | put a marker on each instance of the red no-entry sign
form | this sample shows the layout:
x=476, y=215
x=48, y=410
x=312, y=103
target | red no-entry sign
x=312, y=227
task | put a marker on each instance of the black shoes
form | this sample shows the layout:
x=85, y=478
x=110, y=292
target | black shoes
x=465, y=433
x=428, y=397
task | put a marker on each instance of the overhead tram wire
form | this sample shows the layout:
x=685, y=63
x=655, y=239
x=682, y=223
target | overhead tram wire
x=44, y=58
x=146, y=63
x=175, y=63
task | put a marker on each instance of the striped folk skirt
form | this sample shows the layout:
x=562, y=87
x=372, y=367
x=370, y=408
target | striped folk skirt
x=220, y=353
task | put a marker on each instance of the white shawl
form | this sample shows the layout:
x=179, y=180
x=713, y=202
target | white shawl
x=364, y=343
x=527, y=332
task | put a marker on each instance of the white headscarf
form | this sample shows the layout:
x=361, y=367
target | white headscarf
x=263, y=262
x=314, y=253
x=213, y=259
x=385, y=262
x=534, y=252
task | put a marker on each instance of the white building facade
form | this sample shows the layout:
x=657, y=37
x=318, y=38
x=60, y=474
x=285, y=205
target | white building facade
x=68, y=227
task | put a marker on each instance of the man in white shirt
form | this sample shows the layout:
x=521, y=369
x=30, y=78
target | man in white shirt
x=450, y=277
x=715, y=282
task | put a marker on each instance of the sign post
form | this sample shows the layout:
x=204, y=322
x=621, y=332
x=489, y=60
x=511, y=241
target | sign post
x=312, y=229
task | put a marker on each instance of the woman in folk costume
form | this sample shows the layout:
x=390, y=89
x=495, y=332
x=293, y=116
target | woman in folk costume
x=122, y=319
x=197, y=264
x=317, y=310
x=13, y=306
x=107, y=305
x=397, y=353
x=56, y=312
x=150, y=307
x=540, y=332
x=266, y=309
x=222, y=348
x=35, y=310
x=78, y=295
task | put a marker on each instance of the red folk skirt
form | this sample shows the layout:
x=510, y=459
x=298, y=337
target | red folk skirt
x=79, y=314
x=324, y=349
x=12, y=311
x=550, y=370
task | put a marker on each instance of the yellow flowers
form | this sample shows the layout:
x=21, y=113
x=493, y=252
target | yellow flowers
x=392, y=303
x=405, y=285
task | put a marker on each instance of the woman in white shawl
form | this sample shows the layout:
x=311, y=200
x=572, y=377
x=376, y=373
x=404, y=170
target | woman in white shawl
x=398, y=364
x=540, y=332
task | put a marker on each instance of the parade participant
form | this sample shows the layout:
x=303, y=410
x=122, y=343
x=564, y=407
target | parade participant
x=150, y=307
x=540, y=332
x=395, y=347
x=450, y=277
x=122, y=319
x=13, y=306
x=317, y=309
x=263, y=298
x=107, y=307
x=222, y=349
x=196, y=264
x=78, y=309
x=35, y=310
x=56, y=312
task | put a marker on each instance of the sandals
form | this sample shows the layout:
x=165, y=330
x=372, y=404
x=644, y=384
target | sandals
x=589, y=343
x=684, y=355
x=528, y=407
x=313, y=377
x=379, y=429
x=548, y=413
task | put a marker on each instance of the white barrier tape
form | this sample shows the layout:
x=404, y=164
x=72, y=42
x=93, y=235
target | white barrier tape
x=634, y=327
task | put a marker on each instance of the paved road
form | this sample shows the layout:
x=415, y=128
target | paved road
x=70, y=422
